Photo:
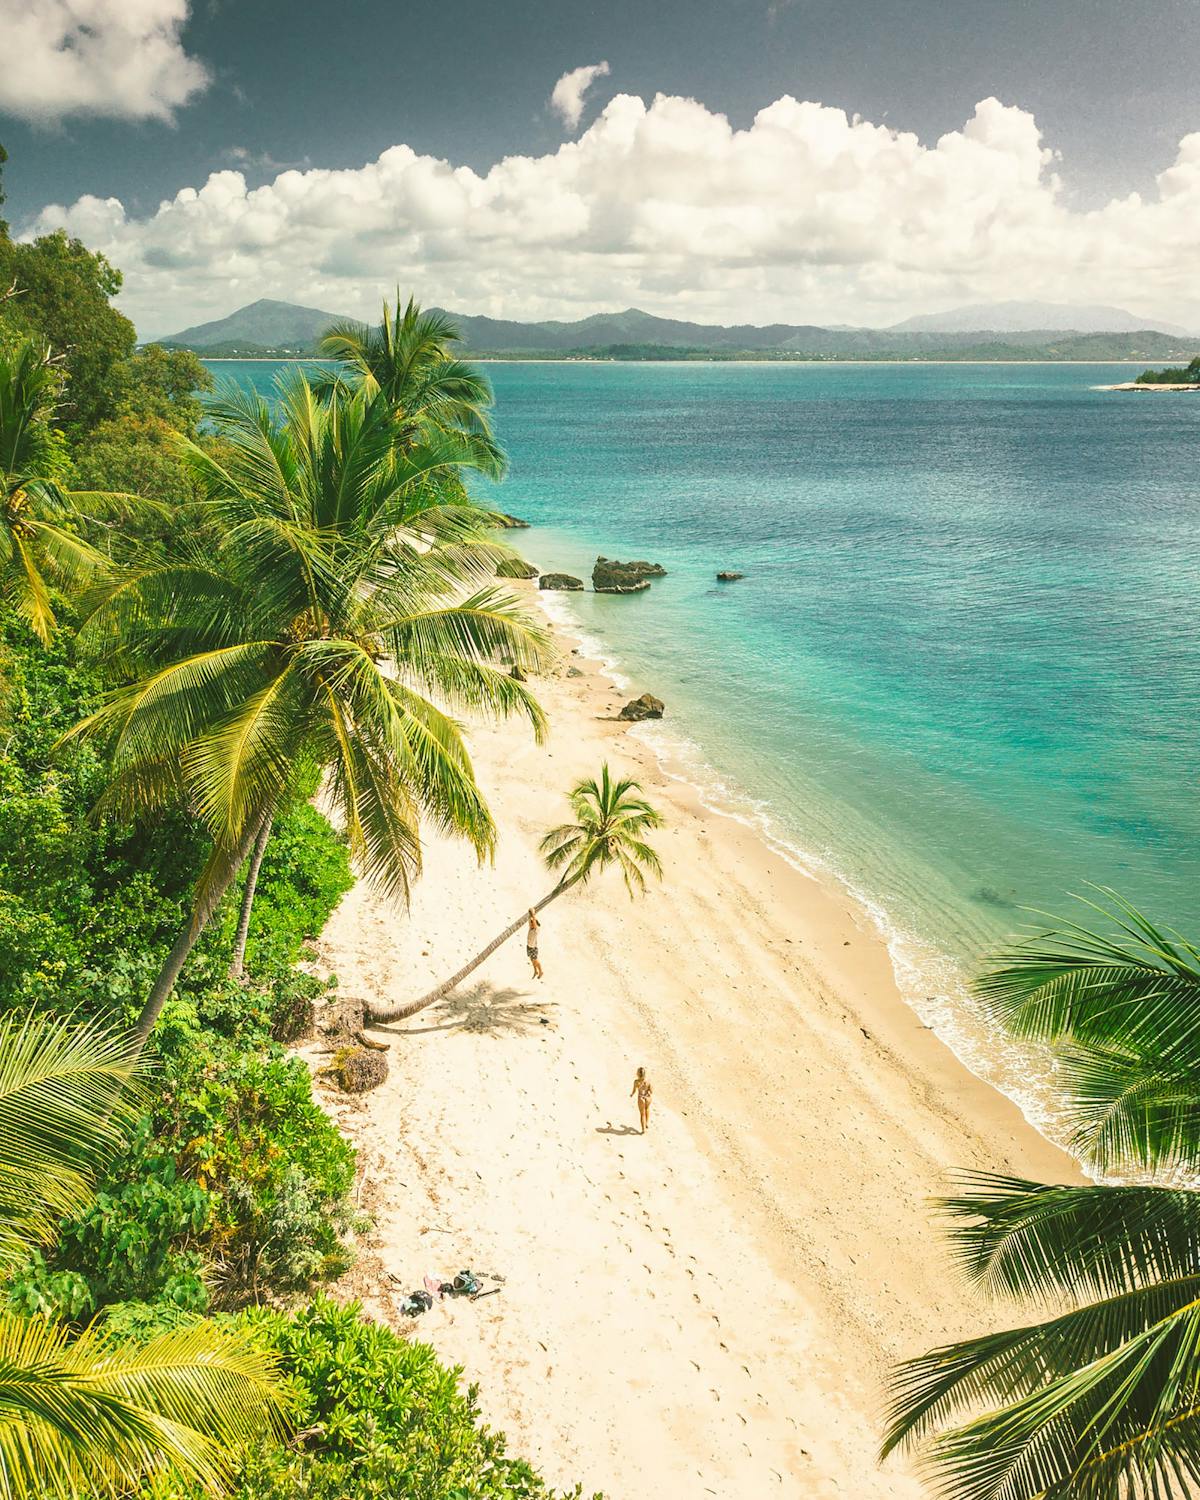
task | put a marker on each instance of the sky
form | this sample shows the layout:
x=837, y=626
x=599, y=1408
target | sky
x=723, y=160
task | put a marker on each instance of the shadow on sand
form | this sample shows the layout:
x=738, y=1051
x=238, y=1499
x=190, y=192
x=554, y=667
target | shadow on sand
x=483, y=1009
x=611, y=1129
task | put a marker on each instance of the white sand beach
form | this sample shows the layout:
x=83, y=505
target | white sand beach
x=709, y=1309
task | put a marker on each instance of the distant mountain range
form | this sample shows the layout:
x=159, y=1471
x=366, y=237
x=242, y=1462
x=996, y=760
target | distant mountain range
x=1010, y=330
x=1015, y=317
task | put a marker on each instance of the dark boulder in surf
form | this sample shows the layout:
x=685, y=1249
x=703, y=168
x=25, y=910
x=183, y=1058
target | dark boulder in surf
x=729, y=577
x=566, y=581
x=612, y=577
x=645, y=707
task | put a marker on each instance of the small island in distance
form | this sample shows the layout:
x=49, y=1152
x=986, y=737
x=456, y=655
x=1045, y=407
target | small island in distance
x=1185, y=378
x=1026, y=331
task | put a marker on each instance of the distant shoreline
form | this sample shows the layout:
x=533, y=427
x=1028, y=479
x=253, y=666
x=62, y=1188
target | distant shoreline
x=490, y=359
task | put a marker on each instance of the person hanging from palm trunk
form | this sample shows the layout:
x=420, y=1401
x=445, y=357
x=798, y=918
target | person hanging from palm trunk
x=531, y=944
x=611, y=820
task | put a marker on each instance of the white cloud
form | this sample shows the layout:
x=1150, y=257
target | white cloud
x=568, y=94
x=102, y=57
x=804, y=216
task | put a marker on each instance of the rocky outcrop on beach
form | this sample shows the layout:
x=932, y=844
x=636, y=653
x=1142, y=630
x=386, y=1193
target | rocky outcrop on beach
x=729, y=577
x=511, y=523
x=612, y=577
x=516, y=567
x=358, y=1069
x=566, y=581
x=645, y=707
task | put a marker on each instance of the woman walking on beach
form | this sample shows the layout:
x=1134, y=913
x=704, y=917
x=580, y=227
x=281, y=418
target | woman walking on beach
x=531, y=943
x=644, y=1090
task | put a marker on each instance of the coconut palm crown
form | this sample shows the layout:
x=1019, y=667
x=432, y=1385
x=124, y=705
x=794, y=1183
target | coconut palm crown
x=340, y=612
x=610, y=824
x=1100, y=1400
x=407, y=356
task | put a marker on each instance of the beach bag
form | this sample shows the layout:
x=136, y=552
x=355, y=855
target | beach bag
x=415, y=1304
x=465, y=1284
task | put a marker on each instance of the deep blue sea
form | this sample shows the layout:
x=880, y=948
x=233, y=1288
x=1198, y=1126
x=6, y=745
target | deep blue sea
x=963, y=668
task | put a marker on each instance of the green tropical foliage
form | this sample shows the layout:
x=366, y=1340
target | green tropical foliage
x=1100, y=1401
x=611, y=821
x=82, y=1414
x=394, y=1421
x=407, y=357
x=1188, y=374
x=62, y=297
x=40, y=544
x=339, y=589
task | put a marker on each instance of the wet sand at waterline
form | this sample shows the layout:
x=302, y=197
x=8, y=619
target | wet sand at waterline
x=711, y=1308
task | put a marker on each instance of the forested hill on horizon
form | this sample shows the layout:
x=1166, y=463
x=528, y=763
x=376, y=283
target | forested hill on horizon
x=269, y=328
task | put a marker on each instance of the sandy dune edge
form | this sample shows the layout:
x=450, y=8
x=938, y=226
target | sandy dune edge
x=709, y=1309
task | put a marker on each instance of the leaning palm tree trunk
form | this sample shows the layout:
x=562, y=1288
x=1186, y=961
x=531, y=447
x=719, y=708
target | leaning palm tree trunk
x=212, y=887
x=402, y=1012
x=238, y=962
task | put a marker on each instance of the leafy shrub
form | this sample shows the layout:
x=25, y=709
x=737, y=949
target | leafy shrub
x=236, y=1178
x=244, y=1126
x=384, y=1419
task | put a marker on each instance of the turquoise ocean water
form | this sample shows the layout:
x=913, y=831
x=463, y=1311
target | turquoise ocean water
x=963, y=669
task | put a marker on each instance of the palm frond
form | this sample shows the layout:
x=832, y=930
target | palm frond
x=1030, y=1239
x=85, y=1416
x=67, y=1095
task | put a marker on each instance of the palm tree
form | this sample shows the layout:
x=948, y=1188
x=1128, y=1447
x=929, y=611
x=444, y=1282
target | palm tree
x=1102, y=1400
x=407, y=357
x=39, y=549
x=81, y=1413
x=611, y=821
x=339, y=591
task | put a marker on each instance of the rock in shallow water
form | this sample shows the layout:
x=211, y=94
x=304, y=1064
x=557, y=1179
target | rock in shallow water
x=612, y=577
x=645, y=707
x=559, y=581
x=729, y=577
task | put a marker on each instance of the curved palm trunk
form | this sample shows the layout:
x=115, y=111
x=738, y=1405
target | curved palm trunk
x=238, y=962
x=402, y=1012
x=189, y=935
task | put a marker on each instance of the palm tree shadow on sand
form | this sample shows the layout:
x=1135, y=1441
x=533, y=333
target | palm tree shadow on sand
x=483, y=1009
